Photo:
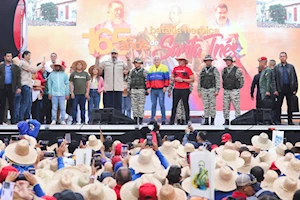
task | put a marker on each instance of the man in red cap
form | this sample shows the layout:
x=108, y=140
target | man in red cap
x=265, y=80
x=226, y=137
x=147, y=191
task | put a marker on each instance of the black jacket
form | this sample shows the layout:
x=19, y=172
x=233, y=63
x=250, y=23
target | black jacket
x=16, y=76
x=278, y=77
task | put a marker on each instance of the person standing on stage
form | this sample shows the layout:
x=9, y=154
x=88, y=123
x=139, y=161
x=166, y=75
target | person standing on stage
x=255, y=83
x=182, y=76
x=113, y=79
x=208, y=89
x=285, y=84
x=233, y=81
x=265, y=80
x=59, y=91
x=272, y=64
x=27, y=84
x=80, y=89
x=10, y=84
x=158, y=80
x=136, y=84
x=126, y=100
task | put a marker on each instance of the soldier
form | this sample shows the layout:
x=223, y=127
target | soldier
x=136, y=84
x=233, y=81
x=208, y=89
x=180, y=114
x=265, y=80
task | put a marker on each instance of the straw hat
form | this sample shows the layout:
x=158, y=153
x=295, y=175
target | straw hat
x=74, y=65
x=169, y=152
x=145, y=162
x=3, y=163
x=108, y=167
x=94, y=143
x=97, y=191
x=291, y=168
x=92, y=68
x=161, y=175
x=250, y=162
x=186, y=185
x=44, y=173
x=44, y=164
x=264, y=166
x=32, y=141
x=227, y=145
x=110, y=182
x=267, y=157
x=262, y=141
x=2, y=145
x=185, y=172
x=21, y=153
x=129, y=190
x=280, y=150
x=176, y=144
x=231, y=157
x=220, y=163
x=62, y=65
x=225, y=179
x=83, y=180
x=289, y=145
x=282, y=162
x=61, y=183
x=285, y=187
x=269, y=178
x=168, y=192
x=73, y=172
x=296, y=147
x=182, y=57
x=181, y=152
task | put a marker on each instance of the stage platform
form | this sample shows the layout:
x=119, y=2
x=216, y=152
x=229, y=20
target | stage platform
x=126, y=133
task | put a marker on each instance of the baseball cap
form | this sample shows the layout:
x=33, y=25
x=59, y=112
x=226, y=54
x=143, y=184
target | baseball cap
x=261, y=59
x=114, y=51
x=4, y=172
x=245, y=179
x=147, y=191
x=273, y=166
x=226, y=137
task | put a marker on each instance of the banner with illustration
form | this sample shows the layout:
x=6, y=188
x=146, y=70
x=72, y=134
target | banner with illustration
x=246, y=30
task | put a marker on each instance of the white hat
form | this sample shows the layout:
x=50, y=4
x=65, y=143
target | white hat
x=262, y=141
x=225, y=179
x=291, y=168
x=169, y=152
x=63, y=182
x=168, y=192
x=98, y=191
x=267, y=157
x=186, y=185
x=250, y=162
x=231, y=157
x=227, y=145
x=269, y=178
x=94, y=143
x=285, y=187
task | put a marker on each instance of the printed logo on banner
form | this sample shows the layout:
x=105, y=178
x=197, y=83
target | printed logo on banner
x=202, y=174
x=277, y=138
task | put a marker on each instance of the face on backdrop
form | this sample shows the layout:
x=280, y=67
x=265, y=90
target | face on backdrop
x=116, y=12
x=283, y=57
x=8, y=58
x=174, y=15
x=221, y=15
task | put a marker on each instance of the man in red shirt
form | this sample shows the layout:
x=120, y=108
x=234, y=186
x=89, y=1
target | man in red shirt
x=182, y=76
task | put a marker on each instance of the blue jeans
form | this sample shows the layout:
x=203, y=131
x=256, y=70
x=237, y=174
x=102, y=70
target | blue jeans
x=81, y=100
x=58, y=100
x=158, y=93
x=126, y=106
x=94, y=101
x=113, y=99
x=26, y=102
x=18, y=98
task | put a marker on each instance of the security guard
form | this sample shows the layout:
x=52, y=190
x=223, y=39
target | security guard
x=208, y=89
x=233, y=81
x=136, y=84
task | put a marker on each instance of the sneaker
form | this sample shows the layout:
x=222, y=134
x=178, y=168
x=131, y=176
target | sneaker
x=5, y=124
x=69, y=122
x=73, y=123
x=53, y=122
x=163, y=123
x=62, y=122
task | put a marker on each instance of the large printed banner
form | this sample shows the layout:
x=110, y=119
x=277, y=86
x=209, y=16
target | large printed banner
x=245, y=30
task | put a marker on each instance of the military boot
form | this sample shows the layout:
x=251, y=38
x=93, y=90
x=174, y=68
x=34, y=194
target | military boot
x=136, y=120
x=206, y=122
x=212, y=121
x=140, y=121
x=226, y=122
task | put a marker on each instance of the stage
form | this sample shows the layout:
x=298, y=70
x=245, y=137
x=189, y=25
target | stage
x=127, y=133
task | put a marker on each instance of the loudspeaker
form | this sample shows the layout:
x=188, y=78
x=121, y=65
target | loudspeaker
x=264, y=116
x=249, y=118
x=109, y=116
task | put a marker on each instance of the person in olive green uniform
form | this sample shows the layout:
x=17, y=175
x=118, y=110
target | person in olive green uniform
x=265, y=80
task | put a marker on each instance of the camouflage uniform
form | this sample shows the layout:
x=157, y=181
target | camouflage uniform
x=208, y=86
x=180, y=113
x=136, y=84
x=233, y=81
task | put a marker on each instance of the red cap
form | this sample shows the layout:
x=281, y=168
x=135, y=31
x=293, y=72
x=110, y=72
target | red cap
x=147, y=191
x=4, y=172
x=261, y=59
x=118, y=149
x=48, y=198
x=273, y=166
x=115, y=159
x=226, y=137
x=214, y=146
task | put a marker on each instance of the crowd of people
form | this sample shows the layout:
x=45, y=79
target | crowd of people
x=40, y=92
x=148, y=169
x=270, y=24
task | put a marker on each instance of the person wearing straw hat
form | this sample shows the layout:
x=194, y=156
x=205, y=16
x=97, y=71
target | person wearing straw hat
x=208, y=89
x=136, y=84
x=96, y=88
x=27, y=84
x=80, y=88
x=58, y=91
x=285, y=187
x=233, y=81
x=224, y=182
x=113, y=79
x=182, y=76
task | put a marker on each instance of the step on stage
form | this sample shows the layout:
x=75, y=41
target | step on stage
x=127, y=133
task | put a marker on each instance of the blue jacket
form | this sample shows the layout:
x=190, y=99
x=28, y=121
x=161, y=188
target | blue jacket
x=220, y=195
x=58, y=84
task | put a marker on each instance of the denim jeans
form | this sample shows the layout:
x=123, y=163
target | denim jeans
x=18, y=98
x=126, y=106
x=58, y=100
x=113, y=99
x=160, y=95
x=81, y=100
x=26, y=102
x=94, y=101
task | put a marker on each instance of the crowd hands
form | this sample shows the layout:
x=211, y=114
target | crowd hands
x=153, y=166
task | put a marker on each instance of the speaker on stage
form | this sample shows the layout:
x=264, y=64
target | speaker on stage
x=264, y=116
x=109, y=116
x=249, y=118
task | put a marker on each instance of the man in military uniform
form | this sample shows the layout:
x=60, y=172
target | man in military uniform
x=265, y=80
x=136, y=84
x=208, y=89
x=233, y=81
